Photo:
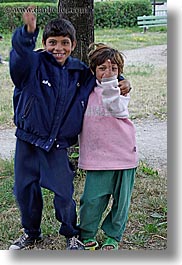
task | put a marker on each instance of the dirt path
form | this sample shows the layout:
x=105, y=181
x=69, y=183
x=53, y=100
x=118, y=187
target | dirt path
x=152, y=143
x=156, y=55
x=7, y=143
x=151, y=140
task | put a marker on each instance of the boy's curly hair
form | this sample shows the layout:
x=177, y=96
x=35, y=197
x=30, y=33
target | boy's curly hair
x=98, y=53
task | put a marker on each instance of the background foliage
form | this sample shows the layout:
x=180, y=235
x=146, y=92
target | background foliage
x=120, y=13
x=107, y=14
x=13, y=1
x=11, y=14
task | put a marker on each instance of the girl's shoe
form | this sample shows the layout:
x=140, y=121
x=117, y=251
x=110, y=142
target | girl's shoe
x=90, y=244
x=110, y=244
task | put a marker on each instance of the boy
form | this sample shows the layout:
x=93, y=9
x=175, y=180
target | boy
x=50, y=98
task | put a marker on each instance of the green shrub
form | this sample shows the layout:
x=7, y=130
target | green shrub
x=11, y=14
x=107, y=14
x=120, y=13
x=13, y=1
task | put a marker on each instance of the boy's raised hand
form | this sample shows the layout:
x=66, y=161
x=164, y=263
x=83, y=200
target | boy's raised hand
x=124, y=86
x=29, y=19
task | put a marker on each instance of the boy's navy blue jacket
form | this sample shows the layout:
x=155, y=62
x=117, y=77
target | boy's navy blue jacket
x=49, y=99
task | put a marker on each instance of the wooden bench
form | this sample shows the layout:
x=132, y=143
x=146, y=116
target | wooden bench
x=151, y=21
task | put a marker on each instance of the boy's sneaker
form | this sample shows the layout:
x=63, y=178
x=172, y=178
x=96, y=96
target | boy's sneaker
x=74, y=244
x=24, y=241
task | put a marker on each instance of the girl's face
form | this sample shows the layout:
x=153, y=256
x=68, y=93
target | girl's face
x=60, y=47
x=107, y=69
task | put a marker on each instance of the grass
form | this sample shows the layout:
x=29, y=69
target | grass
x=6, y=92
x=146, y=227
x=147, y=224
x=122, y=39
x=150, y=95
x=130, y=38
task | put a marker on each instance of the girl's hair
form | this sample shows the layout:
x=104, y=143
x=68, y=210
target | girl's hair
x=99, y=53
x=59, y=27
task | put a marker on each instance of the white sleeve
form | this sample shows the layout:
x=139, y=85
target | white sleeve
x=115, y=103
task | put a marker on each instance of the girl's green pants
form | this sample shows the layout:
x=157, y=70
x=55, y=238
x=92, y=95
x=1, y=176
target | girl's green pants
x=99, y=187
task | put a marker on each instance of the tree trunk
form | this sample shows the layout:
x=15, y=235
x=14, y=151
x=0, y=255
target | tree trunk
x=80, y=13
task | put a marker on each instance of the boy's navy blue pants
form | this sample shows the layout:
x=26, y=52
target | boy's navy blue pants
x=35, y=168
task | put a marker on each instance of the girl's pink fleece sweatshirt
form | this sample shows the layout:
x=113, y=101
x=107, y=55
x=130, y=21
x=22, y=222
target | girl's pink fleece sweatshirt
x=107, y=140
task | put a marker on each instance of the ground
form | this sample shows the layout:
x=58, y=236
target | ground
x=151, y=134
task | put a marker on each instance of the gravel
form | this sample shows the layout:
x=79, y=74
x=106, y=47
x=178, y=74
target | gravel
x=7, y=143
x=152, y=143
x=151, y=133
x=156, y=55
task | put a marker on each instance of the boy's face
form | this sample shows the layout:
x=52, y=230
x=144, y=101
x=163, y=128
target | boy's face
x=104, y=71
x=60, y=47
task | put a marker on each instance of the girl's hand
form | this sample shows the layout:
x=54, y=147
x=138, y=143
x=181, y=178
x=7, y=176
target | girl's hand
x=29, y=19
x=108, y=72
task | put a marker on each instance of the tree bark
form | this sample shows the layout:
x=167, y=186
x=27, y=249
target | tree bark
x=80, y=13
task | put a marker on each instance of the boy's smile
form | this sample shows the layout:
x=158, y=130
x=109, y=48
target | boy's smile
x=60, y=47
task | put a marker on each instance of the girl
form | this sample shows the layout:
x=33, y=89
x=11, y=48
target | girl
x=107, y=152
